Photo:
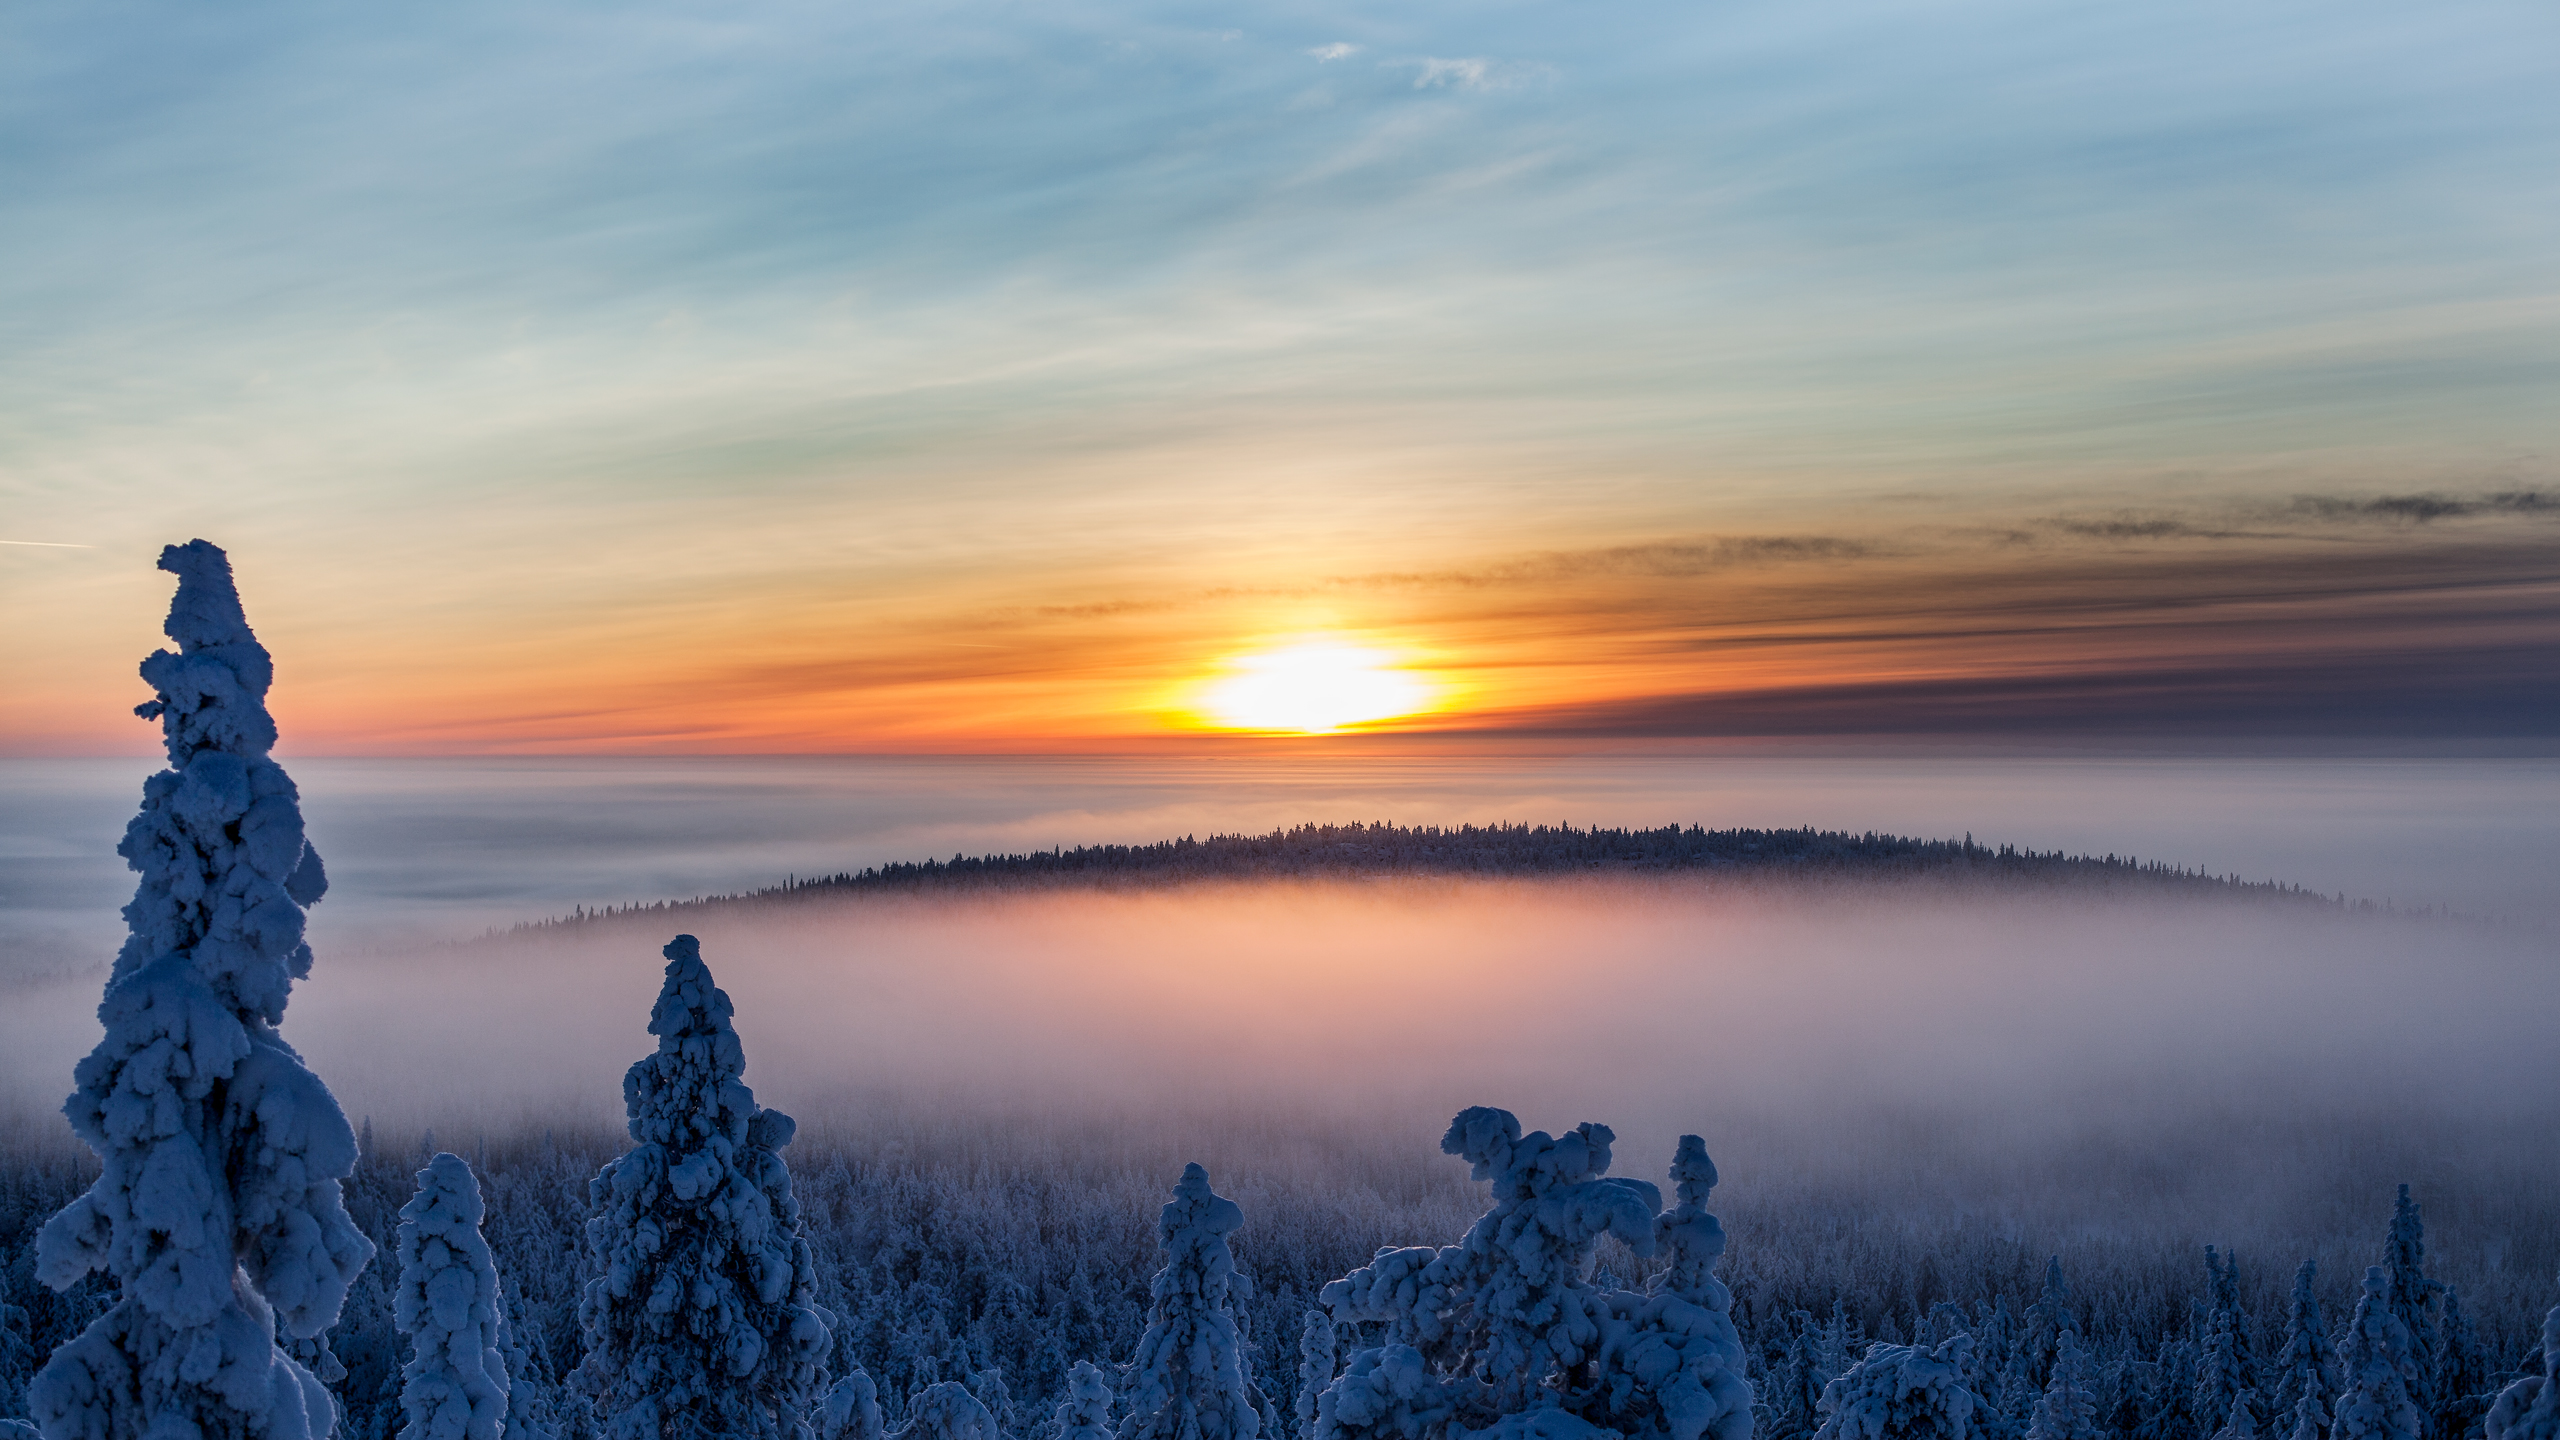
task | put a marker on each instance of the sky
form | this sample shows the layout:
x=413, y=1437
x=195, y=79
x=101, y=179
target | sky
x=655, y=378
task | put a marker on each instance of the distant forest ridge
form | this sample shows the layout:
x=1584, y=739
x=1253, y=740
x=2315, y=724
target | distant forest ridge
x=1323, y=852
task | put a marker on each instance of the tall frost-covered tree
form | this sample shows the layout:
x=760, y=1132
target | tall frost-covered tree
x=945, y=1410
x=455, y=1384
x=2380, y=1399
x=1189, y=1380
x=2047, y=1321
x=2306, y=1366
x=701, y=1320
x=2529, y=1409
x=2462, y=1380
x=2226, y=1367
x=1504, y=1331
x=217, y=1208
x=1901, y=1392
x=2412, y=1296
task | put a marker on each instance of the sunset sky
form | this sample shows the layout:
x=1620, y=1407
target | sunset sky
x=649, y=378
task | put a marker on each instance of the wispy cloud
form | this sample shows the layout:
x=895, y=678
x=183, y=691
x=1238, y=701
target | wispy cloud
x=1338, y=50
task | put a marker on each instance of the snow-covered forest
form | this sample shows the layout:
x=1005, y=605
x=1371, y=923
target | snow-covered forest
x=232, y=1257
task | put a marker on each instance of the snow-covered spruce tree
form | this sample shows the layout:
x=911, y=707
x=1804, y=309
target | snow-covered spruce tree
x=2462, y=1378
x=532, y=1413
x=1795, y=1394
x=2242, y=1425
x=2226, y=1366
x=1086, y=1412
x=945, y=1410
x=19, y=1430
x=1504, y=1330
x=455, y=1384
x=1315, y=1367
x=1900, y=1392
x=2068, y=1409
x=988, y=1385
x=701, y=1320
x=1189, y=1380
x=2310, y=1419
x=2412, y=1296
x=851, y=1411
x=217, y=1207
x=2380, y=1398
x=2047, y=1320
x=2306, y=1365
x=2529, y=1409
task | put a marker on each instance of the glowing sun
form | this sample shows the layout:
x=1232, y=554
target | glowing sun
x=1312, y=687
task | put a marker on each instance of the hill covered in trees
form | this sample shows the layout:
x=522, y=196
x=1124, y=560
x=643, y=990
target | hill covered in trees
x=1376, y=850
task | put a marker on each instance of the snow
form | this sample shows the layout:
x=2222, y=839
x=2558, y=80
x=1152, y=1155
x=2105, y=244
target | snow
x=218, y=1206
x=702, y=1316
x=2380, y=1400
x=1189, y=1380
x=851, y=1411
x=1496, y=1333
x=455, y=1384
x=2068, y=1409
x=1086, y=1412
x=1901, y=1392
x=2530, y=1408
x=947, y=1411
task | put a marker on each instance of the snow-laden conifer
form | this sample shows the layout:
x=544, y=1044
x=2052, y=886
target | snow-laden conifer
x=1315, y=1367
x=2310, y=1420
x=2412, y=1296
x=1499, y=1331
x=2242, y=1425
x=1795, y=1392
x=2226, y=1366
x=851, y=1410
x=2380, y=1398
x=702, y=1319
x=2462, y=1381
x=2307, y=1365
x=217, y=1208
x=1189, y=1380
x=532, y=1409
x=947, y=1411
x=2047, y=1321
x=2529, y=1409
x=1086, y=1412
x=455, y=1384
x=1900, y=1392
x=2068, y=1408
x=19, y=1430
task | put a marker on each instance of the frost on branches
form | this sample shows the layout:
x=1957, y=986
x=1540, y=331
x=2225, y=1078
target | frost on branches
x=851, y=1411
x=1902, y=1392
x=217, y=1209
x=455, y=1384
x=701, y=1321
x=1504, y=1333
x=1189, y=1380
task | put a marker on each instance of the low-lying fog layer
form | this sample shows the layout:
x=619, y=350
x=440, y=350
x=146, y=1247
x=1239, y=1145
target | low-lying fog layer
x=2113, y=1066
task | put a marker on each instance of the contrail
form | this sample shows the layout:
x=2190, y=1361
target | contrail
x=49, y=544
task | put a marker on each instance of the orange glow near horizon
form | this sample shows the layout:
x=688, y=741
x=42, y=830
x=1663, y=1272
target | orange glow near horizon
x=1312, y=687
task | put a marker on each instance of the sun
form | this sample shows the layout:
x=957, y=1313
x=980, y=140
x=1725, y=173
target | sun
x=1312, y=687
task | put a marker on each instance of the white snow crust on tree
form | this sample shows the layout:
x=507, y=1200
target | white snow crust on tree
x=702, y=1319
x=2380, y=1398
x=217, y=1207
x=530, y=1411
x=1504, y=1333
x=851, y=1411
x=945, y=1410
x=455, y=1384
x=2068, y=1408
x=19, y=1430
x=1189, y=1380
x=1086, y=1412
x=1902, y=1392
x=2529, y=1409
